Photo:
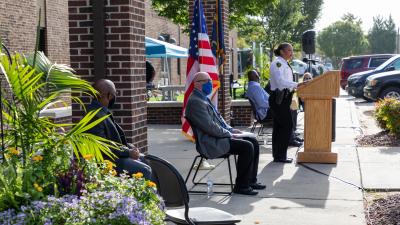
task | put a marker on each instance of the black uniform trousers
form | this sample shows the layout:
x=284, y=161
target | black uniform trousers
x=283, y=125
x=248, y=152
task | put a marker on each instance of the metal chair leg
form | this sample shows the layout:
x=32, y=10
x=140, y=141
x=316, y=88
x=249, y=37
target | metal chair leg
x=231, y=184
x=253, y=128
x=191, y=168
x=261, y=130
x=197, y=170
x=230, y=172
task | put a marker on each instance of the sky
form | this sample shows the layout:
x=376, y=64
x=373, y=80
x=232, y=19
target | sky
x=333, y=10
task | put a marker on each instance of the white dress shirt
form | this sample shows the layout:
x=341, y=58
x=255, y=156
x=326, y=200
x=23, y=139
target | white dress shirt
x=281, y=75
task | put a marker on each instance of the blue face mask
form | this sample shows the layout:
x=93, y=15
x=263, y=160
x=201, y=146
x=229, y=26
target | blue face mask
x=207, y=88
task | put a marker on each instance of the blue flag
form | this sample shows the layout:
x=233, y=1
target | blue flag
x=218, y=45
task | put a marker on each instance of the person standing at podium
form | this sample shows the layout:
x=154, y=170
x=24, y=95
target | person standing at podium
x=282, y=87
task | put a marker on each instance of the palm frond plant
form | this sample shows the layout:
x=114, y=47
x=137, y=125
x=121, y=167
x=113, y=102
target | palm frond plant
x=36, y=148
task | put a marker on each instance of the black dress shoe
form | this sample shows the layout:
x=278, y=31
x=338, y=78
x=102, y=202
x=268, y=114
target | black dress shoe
x=288, y=160
x=295, y=143
x=299, y=139
x=245, y=191
x=258, y=186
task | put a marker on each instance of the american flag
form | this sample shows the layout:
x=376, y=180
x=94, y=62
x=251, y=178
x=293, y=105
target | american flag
x=201, y=59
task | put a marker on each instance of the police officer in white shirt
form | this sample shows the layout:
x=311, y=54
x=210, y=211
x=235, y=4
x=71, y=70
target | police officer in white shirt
x=282, y=87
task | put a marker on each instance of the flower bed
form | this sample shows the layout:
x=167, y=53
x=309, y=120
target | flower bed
x=55, y=173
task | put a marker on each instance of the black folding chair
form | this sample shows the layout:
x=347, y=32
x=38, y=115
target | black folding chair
x=202, y=158
x=172, y=188
x=257, y=120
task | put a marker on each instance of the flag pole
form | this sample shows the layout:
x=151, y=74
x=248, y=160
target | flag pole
x=199, y=29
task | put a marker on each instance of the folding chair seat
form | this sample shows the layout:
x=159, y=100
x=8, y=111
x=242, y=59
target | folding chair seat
x=172, y=188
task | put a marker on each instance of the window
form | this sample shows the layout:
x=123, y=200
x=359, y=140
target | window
x=375, y=62
x=396, y=64
x=353, y=64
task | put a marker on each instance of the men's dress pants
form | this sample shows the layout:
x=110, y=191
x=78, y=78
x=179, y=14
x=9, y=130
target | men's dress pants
x=283, y=125
x=248, y=152
x=294, y=121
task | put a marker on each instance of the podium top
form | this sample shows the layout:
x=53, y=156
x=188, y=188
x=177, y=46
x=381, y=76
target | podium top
x=325, y=86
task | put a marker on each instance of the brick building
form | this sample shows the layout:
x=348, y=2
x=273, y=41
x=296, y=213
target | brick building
x=161, y=28
x=68, y=31
x=18, y=27
x=107, y=41
x=18, y=22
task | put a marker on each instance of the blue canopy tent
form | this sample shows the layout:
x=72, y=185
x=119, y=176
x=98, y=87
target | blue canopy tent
x=161, y=49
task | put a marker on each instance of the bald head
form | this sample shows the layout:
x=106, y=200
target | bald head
x=200, y=78
x=107, y=91
x=253, y=76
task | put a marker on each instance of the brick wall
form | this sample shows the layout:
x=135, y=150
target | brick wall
x=242, y=113
x=169, y=113
x=18, y=24
x=164, y=112
x=18, y=27
x=57, y=36
x=124, y=28
x=157, y=25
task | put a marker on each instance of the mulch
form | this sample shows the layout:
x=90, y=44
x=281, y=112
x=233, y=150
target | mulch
x=384, y=211
x=382, y=138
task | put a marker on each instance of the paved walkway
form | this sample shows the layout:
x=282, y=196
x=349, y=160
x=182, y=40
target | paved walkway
x=295, y=195
x=379, y=165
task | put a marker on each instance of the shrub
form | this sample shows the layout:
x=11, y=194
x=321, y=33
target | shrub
x=387, y=115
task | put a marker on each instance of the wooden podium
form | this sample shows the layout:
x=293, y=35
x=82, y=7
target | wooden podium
x=317, y=96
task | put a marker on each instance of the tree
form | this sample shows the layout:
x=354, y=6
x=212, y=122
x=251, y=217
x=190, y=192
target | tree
x=273, y=24
x=311, y=10
x=343, y=38
x=382, y=36
x=177, y=10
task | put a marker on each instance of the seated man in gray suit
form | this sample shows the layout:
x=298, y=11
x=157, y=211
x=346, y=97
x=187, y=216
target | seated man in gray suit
x=216, y=138
x=129, y=158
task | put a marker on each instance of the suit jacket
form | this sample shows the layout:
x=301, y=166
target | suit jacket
x=108, y=129
x=213, y=140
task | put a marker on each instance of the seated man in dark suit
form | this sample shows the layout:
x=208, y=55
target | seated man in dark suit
x=216, y=138
x=128, y=158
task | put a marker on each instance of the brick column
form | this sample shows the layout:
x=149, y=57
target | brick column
x=124, y=59
x=224, y=99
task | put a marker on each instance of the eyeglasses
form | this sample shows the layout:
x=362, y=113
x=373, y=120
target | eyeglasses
x=205, y=80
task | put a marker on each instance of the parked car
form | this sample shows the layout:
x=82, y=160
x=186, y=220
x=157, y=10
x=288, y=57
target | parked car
x=356, y=82
x=298, y=66
x=328, y=66
x=383, y=85
x=355, y=64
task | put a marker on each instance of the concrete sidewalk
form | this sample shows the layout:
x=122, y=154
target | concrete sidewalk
x=380, y=167
x=295, y=195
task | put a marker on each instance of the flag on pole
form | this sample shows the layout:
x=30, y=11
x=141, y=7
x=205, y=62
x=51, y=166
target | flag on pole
x=218, y=45
x=201, y=59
